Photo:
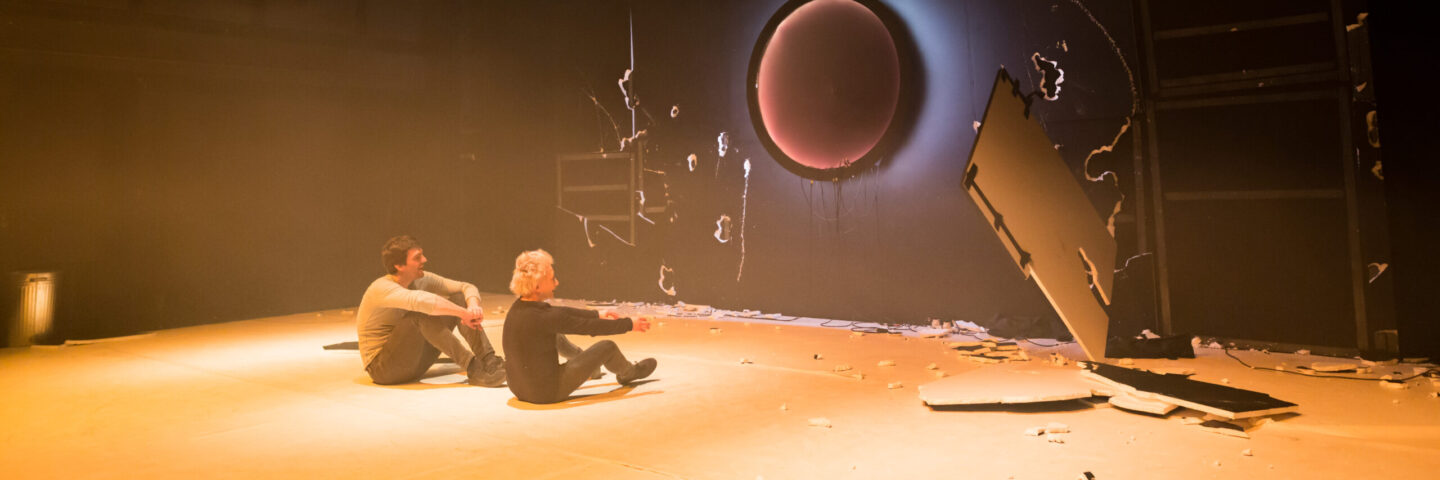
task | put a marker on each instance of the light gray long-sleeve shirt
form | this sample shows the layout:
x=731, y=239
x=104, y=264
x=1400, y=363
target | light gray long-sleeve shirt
x=385, y=302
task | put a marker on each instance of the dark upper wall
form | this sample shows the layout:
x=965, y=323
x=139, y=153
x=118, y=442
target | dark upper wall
x=899, y=242
x=191, y=162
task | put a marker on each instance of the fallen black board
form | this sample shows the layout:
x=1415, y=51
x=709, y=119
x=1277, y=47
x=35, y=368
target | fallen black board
x=1235, y=401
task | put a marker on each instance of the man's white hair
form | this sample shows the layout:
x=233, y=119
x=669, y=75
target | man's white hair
x=530, y=268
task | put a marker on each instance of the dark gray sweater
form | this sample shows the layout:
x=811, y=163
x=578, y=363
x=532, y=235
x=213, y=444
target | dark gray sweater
x=532, y=363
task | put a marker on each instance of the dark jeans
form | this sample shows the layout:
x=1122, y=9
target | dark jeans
x=417, y=342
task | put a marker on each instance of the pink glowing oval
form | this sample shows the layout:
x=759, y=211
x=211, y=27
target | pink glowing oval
x=828, y=83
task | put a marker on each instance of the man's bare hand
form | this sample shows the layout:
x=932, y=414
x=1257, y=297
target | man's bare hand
x=610, y=314
x=641, y=324
x=473, y=322
x=476, y=311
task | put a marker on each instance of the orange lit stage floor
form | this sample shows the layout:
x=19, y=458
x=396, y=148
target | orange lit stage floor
x=261, y=399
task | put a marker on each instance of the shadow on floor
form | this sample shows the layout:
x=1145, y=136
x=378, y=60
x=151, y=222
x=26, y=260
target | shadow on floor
x=620, y=393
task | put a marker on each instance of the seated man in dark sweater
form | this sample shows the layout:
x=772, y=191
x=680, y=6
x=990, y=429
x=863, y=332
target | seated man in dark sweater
x=535, y=331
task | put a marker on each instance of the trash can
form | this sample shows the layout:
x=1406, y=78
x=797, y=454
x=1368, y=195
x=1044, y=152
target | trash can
x=34, y=315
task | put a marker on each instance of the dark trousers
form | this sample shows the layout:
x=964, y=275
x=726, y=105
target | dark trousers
x=583, y=364
x=419, y=339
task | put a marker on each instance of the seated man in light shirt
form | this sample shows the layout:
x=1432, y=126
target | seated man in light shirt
x=408, y=317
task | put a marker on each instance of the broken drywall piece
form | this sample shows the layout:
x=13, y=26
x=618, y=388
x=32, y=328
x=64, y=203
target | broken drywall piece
x=668, y=290
x=1247, y=453
x=815, y=356
x=722, y=229
x=932, y=367
x=886, y=363
x=1334, y=367
x=820, y=422
x=1035, y=431
x=1135, y=404
x=842, y=368
x=1042, y=216
x=1222, y=401
x=1224, y=428
x=1054, y=438
x=746, y=361
x=894, y=385
x=692, y=161
x=784, y=407
x=1057, y=427
x=714, y=330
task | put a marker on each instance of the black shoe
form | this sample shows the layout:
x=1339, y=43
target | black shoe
x=641, y=370
x=487, y=372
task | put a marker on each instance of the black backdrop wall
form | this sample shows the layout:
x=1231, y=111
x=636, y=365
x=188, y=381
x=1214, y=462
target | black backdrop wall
x=191, y=162
x=187, y=162
x=900, y=241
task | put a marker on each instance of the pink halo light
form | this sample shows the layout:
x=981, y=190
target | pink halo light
x=828, y=83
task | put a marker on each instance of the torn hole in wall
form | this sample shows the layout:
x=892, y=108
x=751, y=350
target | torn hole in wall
x=1134, y=107
x=1114, y=179
x=674, y=111
x=1372, y=129
x=976, y=126
x=631, y=139
x=670, y=289
x=722, y=229
x=624, y=82
x=1378, y=170
x=722, y=143
x=692, y=161
x=1375, y=269
x=1051, y=76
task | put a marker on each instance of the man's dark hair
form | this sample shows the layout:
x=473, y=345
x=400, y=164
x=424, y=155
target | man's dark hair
x=396, y=250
